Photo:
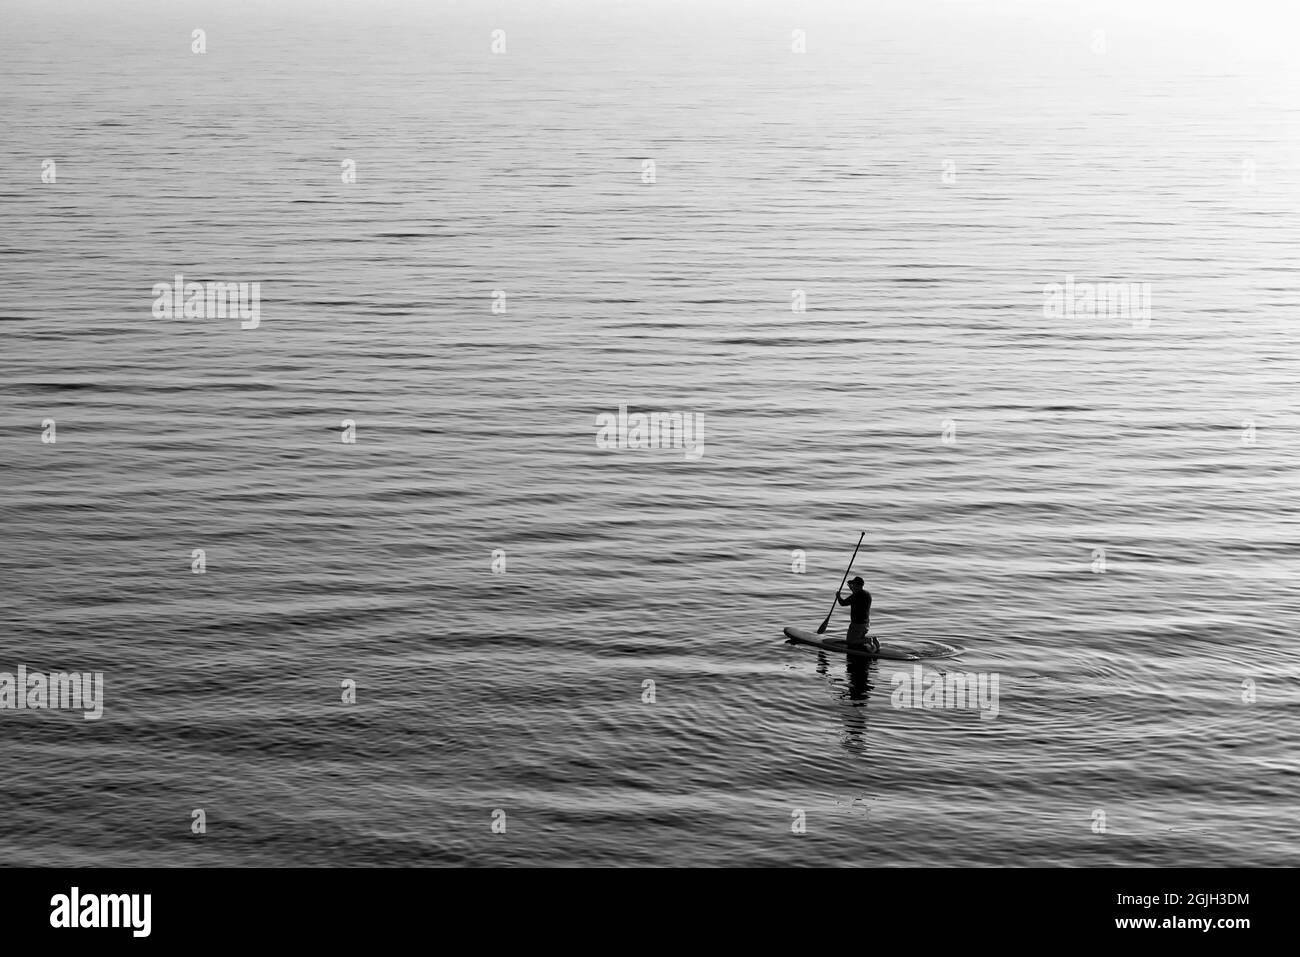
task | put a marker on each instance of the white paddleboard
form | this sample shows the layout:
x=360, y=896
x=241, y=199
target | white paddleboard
x=797, y=636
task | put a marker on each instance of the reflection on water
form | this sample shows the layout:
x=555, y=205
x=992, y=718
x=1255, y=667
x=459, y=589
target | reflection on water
x=851, y=694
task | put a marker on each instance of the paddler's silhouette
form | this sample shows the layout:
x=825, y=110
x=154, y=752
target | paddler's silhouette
x=859, y=602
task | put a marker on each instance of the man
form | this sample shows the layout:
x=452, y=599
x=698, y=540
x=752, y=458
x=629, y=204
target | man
x=859, y=602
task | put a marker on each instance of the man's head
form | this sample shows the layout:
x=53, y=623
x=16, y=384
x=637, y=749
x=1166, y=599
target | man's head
x=856, y=584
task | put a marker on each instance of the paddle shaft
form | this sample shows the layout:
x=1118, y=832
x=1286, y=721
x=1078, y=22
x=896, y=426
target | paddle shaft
x=826, y=623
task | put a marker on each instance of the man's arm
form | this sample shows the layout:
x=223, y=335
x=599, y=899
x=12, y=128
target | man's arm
x=842, y=600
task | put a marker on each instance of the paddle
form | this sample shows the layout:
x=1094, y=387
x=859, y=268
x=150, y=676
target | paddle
x=822, y=629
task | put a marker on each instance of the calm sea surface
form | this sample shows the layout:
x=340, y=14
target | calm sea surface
x=1112, y=529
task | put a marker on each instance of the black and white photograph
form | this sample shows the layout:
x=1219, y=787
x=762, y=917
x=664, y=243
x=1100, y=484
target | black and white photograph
x=448, y=437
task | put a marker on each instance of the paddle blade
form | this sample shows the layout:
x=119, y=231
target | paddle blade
x=822, y=629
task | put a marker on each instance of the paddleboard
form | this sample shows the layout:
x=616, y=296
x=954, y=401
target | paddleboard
x=797, y=636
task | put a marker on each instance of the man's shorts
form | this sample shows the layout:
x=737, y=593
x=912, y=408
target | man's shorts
x=858, y=633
